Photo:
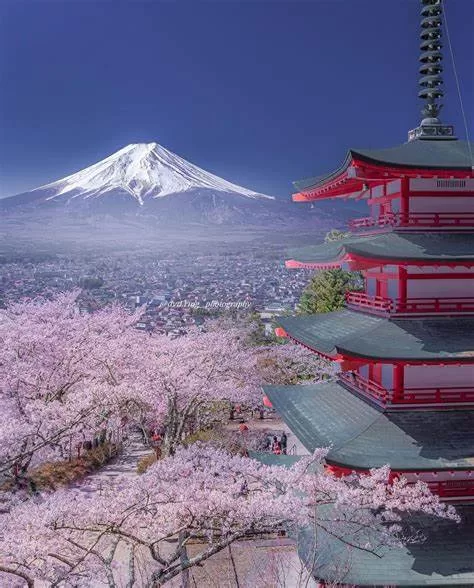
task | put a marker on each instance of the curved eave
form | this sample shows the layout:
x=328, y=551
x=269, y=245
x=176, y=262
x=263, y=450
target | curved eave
x=373, y=168
x=350, y=335
x=344, y=355
x=295, y=264
x=360, y=436
x=393, y=248
x=339, y=186
x=353, y=262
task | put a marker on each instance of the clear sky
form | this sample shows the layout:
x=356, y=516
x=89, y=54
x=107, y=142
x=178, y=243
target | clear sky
x=260, y=92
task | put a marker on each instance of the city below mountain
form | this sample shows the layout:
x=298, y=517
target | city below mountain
x=147, y=182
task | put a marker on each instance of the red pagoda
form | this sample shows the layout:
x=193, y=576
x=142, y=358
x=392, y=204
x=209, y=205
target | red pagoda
x=405, y=390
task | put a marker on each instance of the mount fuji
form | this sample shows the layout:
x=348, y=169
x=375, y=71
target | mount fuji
x=147, y=184
x=146, y=179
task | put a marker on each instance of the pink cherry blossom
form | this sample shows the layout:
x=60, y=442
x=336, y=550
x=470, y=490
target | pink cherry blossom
x=200, y=494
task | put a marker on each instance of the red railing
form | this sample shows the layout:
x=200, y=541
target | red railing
x=456, y=394
x=367, y=387
x=445, y=489
x=368, y=222
x=437, y=219
x=410, y=396
x=377, y=303
x=411, y=305
x=452, y=488
x=464, y=304
x=415, y=219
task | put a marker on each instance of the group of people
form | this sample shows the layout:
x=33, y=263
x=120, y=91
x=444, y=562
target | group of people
x=279, y=445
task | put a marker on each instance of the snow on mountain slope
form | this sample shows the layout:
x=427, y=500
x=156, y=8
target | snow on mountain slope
x=145, y=184
x=144, y=171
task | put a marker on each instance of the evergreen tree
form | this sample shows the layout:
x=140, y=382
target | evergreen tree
x=326, y=291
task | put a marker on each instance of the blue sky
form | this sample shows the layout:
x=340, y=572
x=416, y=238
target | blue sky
x=259, y=92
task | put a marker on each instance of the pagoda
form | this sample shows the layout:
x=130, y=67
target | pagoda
x=404, y=394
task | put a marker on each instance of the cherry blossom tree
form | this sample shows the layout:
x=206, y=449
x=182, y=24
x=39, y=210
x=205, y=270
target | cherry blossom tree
x=64, y=377
x=205, y=496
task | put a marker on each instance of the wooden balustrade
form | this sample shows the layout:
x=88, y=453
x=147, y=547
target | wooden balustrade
x=411, y=305
x=446, y=489
x=415, y=219
x=411, y=396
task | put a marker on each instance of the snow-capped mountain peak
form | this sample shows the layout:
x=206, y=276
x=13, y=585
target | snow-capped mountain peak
x=144, y=171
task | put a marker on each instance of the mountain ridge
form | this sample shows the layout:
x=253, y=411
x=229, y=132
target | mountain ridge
x=150, y=183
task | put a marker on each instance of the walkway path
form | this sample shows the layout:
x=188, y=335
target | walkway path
x=275, y=425
x=122, y=466
x=262, y=564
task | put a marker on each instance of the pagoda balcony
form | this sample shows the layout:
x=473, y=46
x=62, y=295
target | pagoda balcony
x=410, y=306
x=367, y=388
x=452, y=490
x=412, y=397
x=416, y=220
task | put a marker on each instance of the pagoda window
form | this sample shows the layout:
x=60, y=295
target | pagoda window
x=394, y=187
x=392, y=289
x=387, y=376
x=372, y=286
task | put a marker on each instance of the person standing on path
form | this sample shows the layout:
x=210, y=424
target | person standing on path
x=276, y=447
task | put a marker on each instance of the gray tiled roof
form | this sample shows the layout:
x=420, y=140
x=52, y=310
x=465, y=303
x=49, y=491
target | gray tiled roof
x=360, y=436
x=363, y=335
x=422, y=246
x=421, y=153
x=445, y=559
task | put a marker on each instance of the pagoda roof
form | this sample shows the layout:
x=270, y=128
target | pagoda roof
x=429, y=154
x=445, y=558
x=361, y=436
x=355, y=334
x=422, y=247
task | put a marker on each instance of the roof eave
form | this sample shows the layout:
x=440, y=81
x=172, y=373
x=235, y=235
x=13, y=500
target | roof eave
x=384, y=163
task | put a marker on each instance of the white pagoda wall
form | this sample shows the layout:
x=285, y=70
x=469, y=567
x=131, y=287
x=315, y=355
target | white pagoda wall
x=450, y=204
x=444, y=376
x=453, y=288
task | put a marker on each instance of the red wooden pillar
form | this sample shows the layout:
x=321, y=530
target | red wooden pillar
x=404, y=200
x=385, y=205
x=382, y=288
x=398, y=381
x=402, y=288
x=375, y=372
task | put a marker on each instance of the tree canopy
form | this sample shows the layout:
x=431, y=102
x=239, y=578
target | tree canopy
x=67, y=377
x=326, y=290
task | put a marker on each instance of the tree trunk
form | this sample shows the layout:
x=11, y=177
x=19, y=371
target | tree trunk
x=234, y=568
x=184, y=560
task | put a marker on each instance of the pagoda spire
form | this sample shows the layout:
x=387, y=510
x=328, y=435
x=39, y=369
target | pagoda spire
x=431, y=74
